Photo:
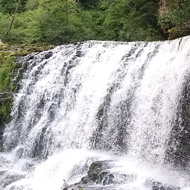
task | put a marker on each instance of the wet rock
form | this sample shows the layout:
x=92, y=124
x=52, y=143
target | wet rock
x=30, y=58
x=48, y=55
x=178, y=151
x=7, y=178
x=85, y=180
x=105, y=178
x=4, y=100
x=5, y=96
x=156, y=185
x=79, y=53
x=78, y=187
x=97, y=171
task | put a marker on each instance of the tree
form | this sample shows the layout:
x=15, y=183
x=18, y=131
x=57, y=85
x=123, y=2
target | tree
x=88, y=3
x=60, y=21
x=131, y=20
x=12, y=7
x=9, y=6
x=177, y=19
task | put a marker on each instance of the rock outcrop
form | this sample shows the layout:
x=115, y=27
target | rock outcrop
x=100, y=176
x=5, y=96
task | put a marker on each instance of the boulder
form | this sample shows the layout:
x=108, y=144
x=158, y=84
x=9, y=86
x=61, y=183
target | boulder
x=48, y=55
x=8, y=178
x=98, y=173
x=98, y=170
x=156, y=185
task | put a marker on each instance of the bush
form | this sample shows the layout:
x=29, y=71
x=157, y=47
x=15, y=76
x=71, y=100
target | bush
x=4, y=24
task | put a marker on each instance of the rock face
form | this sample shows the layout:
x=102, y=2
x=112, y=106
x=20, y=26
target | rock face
x=100, y=177
x=9, y=178
x=179, y=145
x=48, y=55
x=156, y=185
x=4, y=96
x=98, y=173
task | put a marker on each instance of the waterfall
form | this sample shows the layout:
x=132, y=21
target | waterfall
x=97, y=101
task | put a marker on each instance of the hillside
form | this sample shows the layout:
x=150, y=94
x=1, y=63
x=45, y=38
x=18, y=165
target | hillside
x=66, y=21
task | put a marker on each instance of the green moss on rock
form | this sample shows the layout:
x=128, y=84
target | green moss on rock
x=176, y=33
x=5, y=109
x=8, y=55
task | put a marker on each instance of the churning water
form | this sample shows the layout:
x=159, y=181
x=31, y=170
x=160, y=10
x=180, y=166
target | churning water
x=99, y=101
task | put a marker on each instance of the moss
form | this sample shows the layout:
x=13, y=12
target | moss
x=23, y=49
x=95, y=170
x=8, y=54
x=176, y=33
x=6, y=65
x=5, y=110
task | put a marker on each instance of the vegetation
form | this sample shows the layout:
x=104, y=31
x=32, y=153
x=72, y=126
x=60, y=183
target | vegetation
x=176, y=19
x=5, y=68
x=65, y=21
x=8, y=54
x=6, y=61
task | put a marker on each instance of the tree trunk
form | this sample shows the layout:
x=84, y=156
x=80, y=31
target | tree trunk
x=13, y=17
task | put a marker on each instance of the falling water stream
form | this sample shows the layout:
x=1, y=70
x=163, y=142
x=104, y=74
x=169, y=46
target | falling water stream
x=92, y=101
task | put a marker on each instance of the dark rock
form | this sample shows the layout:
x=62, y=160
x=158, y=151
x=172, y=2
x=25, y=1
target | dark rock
x=85, y=180
x=156, y=185
x=7, y=178
x=30, y=58
x=70, y=66
x=105, y=178
x=5, y=97
x=48, y=55
x=98, y=173
x=96, y=168
x=4, y=100
x=87, y=187
x=5, y=94
x=178, y=151
x=78, y=53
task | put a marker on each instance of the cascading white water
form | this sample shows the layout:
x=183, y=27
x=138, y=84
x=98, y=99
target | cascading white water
x=96, y=101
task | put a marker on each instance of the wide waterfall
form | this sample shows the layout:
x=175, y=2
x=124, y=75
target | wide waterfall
x=123, y=107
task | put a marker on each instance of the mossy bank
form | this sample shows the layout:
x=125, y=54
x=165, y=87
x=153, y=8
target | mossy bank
x=8, y=71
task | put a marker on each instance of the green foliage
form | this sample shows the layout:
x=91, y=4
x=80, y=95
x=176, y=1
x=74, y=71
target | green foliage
x=6, y=62
x=177, y=19
x=67, y=21
x=31, y=5
x=8, y=54
x=55, y=22
x=5, y=109
x=8, y=6
x=63, y=23
x=26, y=29
x=4, y=22
x=6, y=65
x=129, y=20
x=88, y=3
x=180, y=10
